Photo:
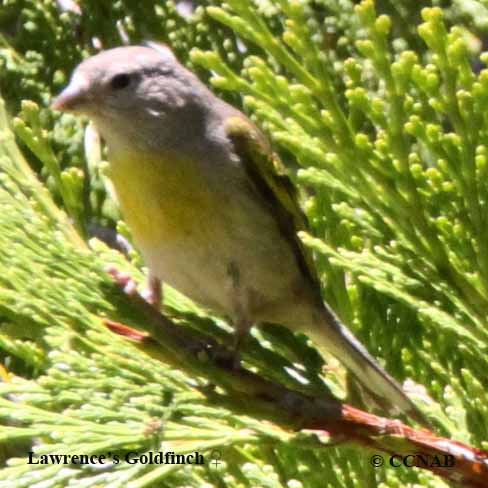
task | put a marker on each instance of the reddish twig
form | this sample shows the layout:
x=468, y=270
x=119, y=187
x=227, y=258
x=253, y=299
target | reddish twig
x=405, y=445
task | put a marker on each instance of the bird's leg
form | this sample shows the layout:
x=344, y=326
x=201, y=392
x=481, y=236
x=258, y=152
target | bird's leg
x=242, y=324
x=241, y=334
x=153, y=293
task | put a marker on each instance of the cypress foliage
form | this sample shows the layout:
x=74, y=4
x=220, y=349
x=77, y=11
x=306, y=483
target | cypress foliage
x=382, y=122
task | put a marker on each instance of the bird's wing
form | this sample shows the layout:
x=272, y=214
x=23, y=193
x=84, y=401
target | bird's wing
x=267, y=174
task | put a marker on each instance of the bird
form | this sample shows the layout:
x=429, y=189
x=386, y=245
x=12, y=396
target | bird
x=209, y=203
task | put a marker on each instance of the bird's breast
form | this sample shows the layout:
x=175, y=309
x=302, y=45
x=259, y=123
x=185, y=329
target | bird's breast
x=161, y=197
x=172, y=211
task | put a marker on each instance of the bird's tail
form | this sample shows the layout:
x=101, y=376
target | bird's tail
x=335, y=338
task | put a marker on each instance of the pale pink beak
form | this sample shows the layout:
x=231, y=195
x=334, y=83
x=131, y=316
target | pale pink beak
x=75, y=94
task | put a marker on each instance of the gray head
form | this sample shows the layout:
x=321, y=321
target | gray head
x=136, y=88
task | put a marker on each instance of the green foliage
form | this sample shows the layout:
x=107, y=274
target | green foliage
x=396, y=173
x=383, y=126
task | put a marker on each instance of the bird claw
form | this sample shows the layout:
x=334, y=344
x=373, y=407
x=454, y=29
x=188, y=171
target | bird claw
x=123, y=279
x=217, y=354
x=151, y=294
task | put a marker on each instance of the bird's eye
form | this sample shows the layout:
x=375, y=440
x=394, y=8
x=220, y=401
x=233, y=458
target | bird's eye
x=120, y=81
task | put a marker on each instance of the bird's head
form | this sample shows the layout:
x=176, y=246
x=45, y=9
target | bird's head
x=127, y=88
x=120, y=79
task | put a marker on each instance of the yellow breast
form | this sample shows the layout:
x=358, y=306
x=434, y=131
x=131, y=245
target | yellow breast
x=161, y=198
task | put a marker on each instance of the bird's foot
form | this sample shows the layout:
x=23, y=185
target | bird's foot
x=123, y=279
x=152, y=294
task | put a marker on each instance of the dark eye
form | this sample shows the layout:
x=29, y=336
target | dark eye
x=120, y=81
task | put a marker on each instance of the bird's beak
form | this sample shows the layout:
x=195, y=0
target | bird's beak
x=74, y=95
